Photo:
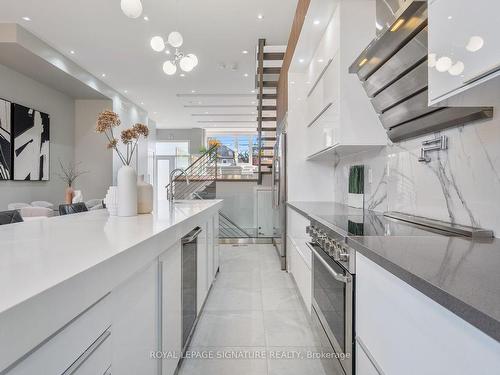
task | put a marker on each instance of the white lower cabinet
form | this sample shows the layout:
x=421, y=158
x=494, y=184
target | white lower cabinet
x=170, y=266
x=72, y=343
x=408, y=333
x=298, y=254
x=364, y=365
x=123, y=331
x=135, y=327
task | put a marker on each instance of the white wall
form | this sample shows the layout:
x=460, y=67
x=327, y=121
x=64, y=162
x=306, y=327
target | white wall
x=91, y=151
x=18, y=88
x=195, y=136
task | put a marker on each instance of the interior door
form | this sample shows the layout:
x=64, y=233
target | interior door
x=164, y=164
x=265, y=213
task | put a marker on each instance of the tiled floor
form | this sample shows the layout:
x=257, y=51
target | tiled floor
x=253, y=312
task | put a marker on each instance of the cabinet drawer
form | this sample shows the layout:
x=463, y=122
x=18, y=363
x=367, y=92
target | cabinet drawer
x=96, y=360
x=60, y=351
x=408, y=333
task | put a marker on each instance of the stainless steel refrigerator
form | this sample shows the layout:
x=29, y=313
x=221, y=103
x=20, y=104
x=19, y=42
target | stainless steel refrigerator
x=279, y=191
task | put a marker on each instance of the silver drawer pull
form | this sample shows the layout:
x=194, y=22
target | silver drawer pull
x=86, y=355
x=482, y=74
x=337, y=276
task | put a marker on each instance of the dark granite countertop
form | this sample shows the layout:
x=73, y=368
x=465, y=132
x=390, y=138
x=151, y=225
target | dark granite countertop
x=461, y=274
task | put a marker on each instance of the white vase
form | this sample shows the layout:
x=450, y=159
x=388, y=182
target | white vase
x=144, y=196
x=111, y=201
x=127, y=191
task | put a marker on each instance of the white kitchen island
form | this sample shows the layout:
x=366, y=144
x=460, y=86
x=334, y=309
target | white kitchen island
x=91, y=294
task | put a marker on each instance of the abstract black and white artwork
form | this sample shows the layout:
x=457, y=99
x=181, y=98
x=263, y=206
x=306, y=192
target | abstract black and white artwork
x=31, y=140
x=5, y=141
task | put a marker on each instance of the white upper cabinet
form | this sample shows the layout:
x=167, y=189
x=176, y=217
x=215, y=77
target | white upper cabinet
x=464, y=52
x=339, y=116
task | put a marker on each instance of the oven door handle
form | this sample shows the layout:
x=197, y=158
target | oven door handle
x=337, y=276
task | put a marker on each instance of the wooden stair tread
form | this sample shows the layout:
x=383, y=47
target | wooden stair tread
x=268, y=84
x=268, y=96
x=272, y=70
x=274, y=55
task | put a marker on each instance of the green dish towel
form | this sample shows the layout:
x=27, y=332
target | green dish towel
x=357, y=179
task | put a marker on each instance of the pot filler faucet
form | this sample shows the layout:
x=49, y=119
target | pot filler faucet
x=436, y=144
x=171, y=180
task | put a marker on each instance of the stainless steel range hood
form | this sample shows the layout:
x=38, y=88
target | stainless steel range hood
x=393, y=71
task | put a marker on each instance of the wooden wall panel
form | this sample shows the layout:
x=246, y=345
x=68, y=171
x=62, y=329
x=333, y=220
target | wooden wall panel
x=298, y=22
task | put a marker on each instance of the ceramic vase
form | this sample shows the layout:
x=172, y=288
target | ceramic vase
x=144, y=196
x=69, y=195
x=127, y=191
x=111, y=201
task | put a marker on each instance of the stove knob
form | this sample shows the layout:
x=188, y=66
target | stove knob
x=328, y=246
x=344, y=254
x=308, y=229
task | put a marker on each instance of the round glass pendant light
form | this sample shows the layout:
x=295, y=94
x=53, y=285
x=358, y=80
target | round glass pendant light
x=175, y=39
x=157, y=43
x=131, y=8
x=169, y=68
x=193, y=58
x=443, y=64
x=186, y=63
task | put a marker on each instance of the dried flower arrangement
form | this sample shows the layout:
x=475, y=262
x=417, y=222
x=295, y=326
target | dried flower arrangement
x=70, y=172
x=108, y=120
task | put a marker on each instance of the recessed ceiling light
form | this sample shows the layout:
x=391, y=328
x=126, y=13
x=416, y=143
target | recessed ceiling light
x=193, y=91
x=260, y=16
x=103, y=75
x=26, y=18
x=450, y=17
x=245, y=75
x=182, y=75
x=252, y=91
x=167, y=52
x=320, y=60
x=301, y=61
x=316, y=22
x=244, y=52
x=146, y=18
x=72, y=52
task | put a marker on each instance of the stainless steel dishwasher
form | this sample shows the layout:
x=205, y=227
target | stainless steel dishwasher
x=189, y=280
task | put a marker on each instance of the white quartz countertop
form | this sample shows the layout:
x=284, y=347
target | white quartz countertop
x=38, y=255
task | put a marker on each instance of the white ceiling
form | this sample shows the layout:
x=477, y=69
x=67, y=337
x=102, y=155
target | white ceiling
x=105, y=41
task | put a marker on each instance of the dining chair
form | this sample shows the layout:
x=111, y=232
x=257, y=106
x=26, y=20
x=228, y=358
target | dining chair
x=10, y=217
x=43, y=204
x=74, y=208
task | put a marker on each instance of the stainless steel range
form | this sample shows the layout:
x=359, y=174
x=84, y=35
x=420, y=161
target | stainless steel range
x=333, y=270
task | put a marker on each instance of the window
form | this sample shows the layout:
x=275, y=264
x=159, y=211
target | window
x=236, y=148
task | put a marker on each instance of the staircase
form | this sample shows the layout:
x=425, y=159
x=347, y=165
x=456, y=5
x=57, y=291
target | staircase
x=200, y=183
x=269, y=62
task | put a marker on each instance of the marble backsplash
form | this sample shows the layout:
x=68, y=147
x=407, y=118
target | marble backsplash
x=460, y=185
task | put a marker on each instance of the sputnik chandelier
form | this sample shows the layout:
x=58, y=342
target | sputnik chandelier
x=187, y=62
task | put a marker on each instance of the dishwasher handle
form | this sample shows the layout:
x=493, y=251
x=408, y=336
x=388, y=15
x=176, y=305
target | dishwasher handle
x=191, y=236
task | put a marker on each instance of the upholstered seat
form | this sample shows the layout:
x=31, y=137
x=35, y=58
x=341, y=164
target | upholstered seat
x=17, y=206
x=44, y=204
x=74, y=208
x=10, y=217
x=36, y=212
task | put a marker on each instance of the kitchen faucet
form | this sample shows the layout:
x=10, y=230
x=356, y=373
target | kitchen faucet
x=171, y=184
